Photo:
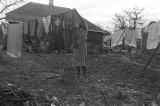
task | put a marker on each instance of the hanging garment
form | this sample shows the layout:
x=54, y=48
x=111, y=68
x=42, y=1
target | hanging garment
x=4, y=29
x=25, y=28
x=32, y=24
x=35, y=38
x=153, y=35
x=1, y=36
x=148, y=28
x=106, y=38
x=144, y=39
x=139, y=33
x=40, y=29
x=1, y=40
x=52, y=34
x=131, y=37
x=56, y=34
x=46, y=32
x=46, y=22
x=68, y=30
x=80, y=49
x=59, y=42
x=116, y=38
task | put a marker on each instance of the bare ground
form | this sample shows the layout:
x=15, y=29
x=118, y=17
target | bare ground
x=113, y=79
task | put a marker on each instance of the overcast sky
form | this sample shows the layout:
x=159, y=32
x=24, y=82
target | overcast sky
x=102, y=11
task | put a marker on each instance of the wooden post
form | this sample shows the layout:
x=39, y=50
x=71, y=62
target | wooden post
x=123, y=43
x=151, y=56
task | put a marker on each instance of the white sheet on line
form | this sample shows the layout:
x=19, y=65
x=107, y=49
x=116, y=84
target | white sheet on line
x=131, y=37
x=153, y=35
x=116, y=38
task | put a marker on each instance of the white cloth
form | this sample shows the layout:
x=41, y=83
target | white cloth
x=57, y=22
x=153, y=35
x=116, y=38
x=46, y=22
x=14, y=40
x=131, y=37
x=106, y=38
x=139, y=33
x=4, y=30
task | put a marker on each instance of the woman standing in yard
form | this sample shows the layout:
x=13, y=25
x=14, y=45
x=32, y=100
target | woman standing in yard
x=80, y=49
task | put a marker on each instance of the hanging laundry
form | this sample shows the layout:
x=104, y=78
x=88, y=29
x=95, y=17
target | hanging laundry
x=40, y=28
x=148, y=28
x=59, y=30
x=131, y=37
x=57, y=22
x=46, y=22
x=68, y=30
x=116, y=38
x=139, y=32
x=1, y=36
x=25, y=28
x=3, y=33
x=106, y=38
x=1, y=40
x=153, y=35
x=51, y=34
x=4, y=29
x=144, y=40
x=32, y=24
x=59, y=42
x=49, y=19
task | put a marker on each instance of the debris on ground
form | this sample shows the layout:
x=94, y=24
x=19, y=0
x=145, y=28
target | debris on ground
x=113, y=80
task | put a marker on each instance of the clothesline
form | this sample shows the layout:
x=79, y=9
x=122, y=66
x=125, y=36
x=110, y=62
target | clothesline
x=129, y=36
x=55, y=32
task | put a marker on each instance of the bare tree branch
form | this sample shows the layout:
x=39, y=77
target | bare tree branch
x=2, y=18
x=7, y=6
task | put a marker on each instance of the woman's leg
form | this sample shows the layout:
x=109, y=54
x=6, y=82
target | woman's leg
x=84, y=71
x=78, y=71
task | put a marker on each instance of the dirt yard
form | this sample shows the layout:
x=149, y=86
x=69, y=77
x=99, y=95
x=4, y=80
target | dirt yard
x=113, y=79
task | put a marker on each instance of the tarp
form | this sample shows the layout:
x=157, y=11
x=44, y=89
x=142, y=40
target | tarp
x=14, y=39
